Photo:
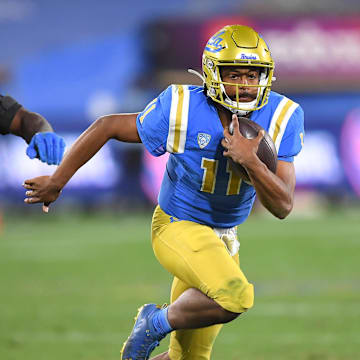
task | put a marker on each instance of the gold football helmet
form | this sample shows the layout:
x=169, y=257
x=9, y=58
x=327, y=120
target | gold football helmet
x=237, y=45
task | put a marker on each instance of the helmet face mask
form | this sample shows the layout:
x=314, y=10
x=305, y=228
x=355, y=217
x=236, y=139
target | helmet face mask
x=237, y=46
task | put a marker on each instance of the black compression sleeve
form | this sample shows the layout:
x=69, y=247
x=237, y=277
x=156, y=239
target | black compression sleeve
x=8, y=109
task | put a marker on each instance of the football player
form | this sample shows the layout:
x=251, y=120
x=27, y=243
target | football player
x=44, y=144
x=201, y=201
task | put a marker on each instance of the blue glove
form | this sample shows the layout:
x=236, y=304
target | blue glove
x=46, y=146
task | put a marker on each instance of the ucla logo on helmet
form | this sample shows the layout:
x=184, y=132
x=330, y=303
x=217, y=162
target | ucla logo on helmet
x=203, y=139
x=214, y=44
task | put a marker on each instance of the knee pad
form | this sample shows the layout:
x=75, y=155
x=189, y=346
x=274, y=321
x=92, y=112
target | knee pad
x=237, y=296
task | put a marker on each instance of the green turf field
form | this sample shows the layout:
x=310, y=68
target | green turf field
x=70, y=287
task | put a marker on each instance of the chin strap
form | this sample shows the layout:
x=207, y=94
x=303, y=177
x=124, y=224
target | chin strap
x=236, y=111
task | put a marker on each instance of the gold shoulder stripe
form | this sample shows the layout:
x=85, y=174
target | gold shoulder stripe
x=178, y=119
x=281, y=119
x=151, y=102
x=152, y=107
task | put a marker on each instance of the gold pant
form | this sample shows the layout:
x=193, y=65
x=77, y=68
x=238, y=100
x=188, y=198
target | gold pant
x=197, y=258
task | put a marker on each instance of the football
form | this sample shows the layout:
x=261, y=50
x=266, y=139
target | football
x=266, y=151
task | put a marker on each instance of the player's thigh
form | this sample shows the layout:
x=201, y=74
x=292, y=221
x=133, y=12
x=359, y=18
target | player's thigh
x=194, y=253
x=192, y=344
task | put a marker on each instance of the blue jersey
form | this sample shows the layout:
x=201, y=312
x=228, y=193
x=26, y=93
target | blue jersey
x=199, y=184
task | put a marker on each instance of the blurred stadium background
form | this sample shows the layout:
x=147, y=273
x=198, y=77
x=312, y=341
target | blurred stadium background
x=71, y=280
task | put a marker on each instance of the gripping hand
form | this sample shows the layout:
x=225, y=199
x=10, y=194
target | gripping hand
x=46, y=146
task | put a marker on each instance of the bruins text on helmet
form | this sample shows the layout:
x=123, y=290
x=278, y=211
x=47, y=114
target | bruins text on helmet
x=237, y=45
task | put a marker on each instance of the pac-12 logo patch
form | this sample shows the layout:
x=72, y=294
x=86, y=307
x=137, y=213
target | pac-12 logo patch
x=203, y=139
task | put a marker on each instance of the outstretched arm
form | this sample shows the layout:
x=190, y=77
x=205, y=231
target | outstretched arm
x=46, y=189
x=26, y=124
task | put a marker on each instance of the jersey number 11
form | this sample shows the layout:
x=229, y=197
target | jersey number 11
x=210, y=167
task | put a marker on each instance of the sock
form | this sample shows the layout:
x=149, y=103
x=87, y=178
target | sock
x=161, y=322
